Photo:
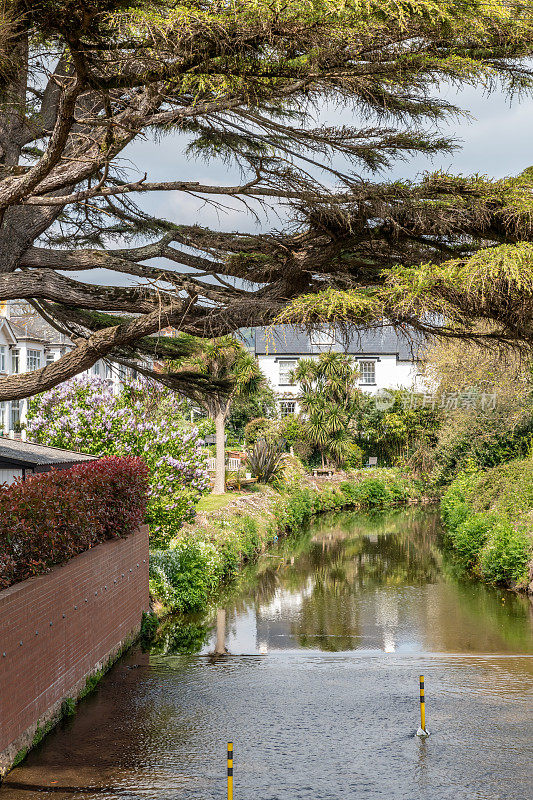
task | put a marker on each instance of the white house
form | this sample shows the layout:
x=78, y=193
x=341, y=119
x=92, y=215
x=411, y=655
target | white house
x=386, y=359
x=28, y=342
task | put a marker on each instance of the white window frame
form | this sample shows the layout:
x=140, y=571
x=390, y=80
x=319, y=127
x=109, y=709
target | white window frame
x=49, y=359
x=286, y=366
x=33, y=359
x=3, y=358
x=284, y=411
x=367, y=372
x=14, y=414
x=15, y=361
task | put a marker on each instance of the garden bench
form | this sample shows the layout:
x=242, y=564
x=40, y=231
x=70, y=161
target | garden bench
x=323, y=472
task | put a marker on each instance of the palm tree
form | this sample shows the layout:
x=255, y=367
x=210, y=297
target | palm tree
x=235, y=374
x=329, y=400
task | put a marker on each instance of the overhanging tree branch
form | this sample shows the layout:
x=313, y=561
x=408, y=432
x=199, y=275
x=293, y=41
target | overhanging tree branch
x=80, y=82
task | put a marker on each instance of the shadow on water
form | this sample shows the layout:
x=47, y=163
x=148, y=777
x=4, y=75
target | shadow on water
x=309, y=661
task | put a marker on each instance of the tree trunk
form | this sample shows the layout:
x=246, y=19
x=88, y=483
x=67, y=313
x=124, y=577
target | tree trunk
x=220, y=466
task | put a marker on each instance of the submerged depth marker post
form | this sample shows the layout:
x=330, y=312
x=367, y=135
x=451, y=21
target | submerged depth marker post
x=422, y=729
x=230, y=770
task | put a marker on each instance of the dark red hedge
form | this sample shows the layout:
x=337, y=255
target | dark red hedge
x=52, y=516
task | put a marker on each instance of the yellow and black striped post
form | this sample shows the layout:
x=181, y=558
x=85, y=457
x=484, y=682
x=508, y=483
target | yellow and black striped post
x=230, y=770
x=422, y=705
x=422, y=729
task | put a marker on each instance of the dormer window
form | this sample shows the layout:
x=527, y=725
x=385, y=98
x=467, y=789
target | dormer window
x=2, y=358
x=15, y=361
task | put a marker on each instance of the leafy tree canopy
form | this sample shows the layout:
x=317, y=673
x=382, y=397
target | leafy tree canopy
x=82, y=79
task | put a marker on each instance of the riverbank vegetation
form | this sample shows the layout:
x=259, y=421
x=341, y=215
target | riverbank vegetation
x=186, y=574
x=488, y=517
x=483, y=459
x=476, y=419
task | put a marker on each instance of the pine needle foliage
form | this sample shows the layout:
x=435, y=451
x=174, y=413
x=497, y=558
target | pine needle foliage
x=80, y=80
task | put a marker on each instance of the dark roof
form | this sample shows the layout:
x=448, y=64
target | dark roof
x=37, y=329
x=29, y=454
x=291, y=340
x=28, y=324
x=25, y=332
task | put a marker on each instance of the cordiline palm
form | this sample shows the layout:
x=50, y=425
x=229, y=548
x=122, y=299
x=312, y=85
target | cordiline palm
x=236, y=374
x=329, y=400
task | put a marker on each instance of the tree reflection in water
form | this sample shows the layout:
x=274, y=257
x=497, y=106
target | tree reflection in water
x=353, y=581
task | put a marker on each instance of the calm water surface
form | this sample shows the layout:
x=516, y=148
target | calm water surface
x=316, y=681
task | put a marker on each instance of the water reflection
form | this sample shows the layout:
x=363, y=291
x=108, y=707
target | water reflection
x=376, y=583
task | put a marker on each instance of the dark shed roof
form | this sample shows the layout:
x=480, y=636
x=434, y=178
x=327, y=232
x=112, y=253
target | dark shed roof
x=29, y=455
x=293, y=340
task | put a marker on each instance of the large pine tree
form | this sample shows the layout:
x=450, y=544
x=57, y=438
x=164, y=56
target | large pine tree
x=81, y=79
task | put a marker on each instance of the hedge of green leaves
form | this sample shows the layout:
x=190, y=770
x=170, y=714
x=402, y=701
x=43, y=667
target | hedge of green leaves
x=487, y=516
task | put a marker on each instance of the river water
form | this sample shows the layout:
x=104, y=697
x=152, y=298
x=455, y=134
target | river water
x=325, y=637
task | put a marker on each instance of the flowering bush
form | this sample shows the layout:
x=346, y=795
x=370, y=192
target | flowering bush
x=142, y=420
x=52, y=516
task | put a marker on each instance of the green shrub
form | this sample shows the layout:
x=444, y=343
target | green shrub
x=398, y=493
x=184, y=576
x=372, y=493
x=506, y=554
x=485, y=518
x=249, y=540
x=469, y=538
x=261, y=428
x=294, y=509
x=353, y=458
x=454, y=504
x=303, y=450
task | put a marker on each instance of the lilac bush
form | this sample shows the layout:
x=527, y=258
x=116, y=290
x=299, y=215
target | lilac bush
x=144, y=420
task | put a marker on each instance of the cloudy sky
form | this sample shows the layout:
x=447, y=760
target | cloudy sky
x=496, y=140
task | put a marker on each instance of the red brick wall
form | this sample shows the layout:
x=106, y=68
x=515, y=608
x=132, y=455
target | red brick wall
x=55, y=629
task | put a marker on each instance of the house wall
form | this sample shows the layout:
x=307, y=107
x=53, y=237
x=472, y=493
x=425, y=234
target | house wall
x=390, y=374
x=9, y=475
x=58, y=629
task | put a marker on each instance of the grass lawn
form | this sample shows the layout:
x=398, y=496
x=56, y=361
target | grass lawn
x=212, y=502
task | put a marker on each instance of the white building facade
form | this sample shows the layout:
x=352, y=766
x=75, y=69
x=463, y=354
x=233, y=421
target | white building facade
x=386, y=359
x=28, y=342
